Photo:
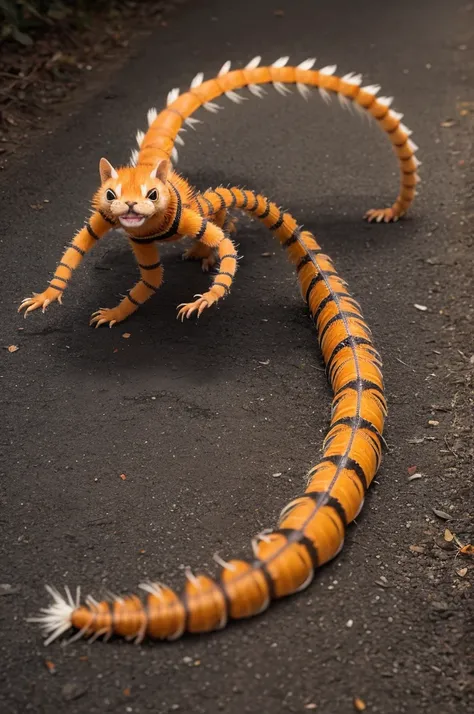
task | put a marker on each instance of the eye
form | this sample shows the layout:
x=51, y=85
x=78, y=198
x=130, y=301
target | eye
x=110, y=195
x=153, y=194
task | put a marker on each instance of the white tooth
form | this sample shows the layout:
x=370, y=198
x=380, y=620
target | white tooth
x=330, y=69
x=172, y=96
x=190, y=121
x=281, y=88
x=303, y=89
x=140, y=135
x=412, y=145
x=134, y=157
x=256, y=90
x=325, y=96
x=197, y=81
x=386, y=101
x=307, y=64
x=253, y=63
x=371, y=88
x=224, y=69
x=212, y=107
x=234, y=97
x=281, y=62
x=404, y=128
x=174, y=154
x=179, y=140
x=396, y=115
x=151, y=115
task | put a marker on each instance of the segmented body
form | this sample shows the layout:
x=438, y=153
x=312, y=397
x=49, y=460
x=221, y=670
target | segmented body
x=311, y=528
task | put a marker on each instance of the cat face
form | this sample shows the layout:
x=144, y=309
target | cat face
x=133, y=194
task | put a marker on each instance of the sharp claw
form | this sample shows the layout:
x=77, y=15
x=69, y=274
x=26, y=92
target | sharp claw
x=379, y=218
x=112, y=323
x=101, y=322
x=45, y=304
x=30, y=308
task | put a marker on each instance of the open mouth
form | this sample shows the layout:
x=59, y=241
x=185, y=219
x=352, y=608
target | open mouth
x=132, y=219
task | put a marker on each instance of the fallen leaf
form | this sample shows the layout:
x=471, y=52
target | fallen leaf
x=423, y=308
x=447, y=124
x=126, y=691
x=267, y=361
x=462, y=572
x=359, y=705
x=467, y=549
x=13, y=348
x=416, y=548
x=51, y=667
x=442, y=514
x=413, y=477
x=448, y=536
x=123, y=477
x=126, y=335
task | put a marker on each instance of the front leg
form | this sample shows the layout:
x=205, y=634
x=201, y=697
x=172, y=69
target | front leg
x=71, y=259
x=210, y=235
x=151, y=272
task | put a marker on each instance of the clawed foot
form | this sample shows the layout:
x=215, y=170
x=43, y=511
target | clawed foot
x=207, y=257
x=105, y=315
x=387, y=215
x=39, y=300
x=186, y=309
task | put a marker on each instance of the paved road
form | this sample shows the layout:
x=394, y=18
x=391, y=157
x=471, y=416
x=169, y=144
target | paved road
x=214, y=423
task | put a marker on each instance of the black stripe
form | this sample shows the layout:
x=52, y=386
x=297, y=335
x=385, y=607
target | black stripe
x=314, y=281
x=202, y=230
x=216, y=282
x=244, y=204
x=58, y=277
x=223, y=272
x=221, y=586
x=79, y=250
x=255, y=206
x=200, y=209
x=345, y=462
x=266, y=211
x=91, y=232
x=221, y=199
x=173, y=229
x=229, y=255
x=292, y=239
x=358, y=423
x=332, y=501
x=296, y=536
x=209, y=204
x=150, y=286
x=234, y=198
x=279, y=222
x=132, y=300
x=106, y=218
x=261, y=566
x=153, y=266
x=56, y=287
x=339, y=316
x=325, y=301
x=65, y=265
x=144, y=241
x=351, y=341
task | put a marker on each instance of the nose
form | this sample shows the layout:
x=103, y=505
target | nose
x=130, y=204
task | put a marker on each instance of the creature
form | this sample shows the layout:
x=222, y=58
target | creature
x=153, y=204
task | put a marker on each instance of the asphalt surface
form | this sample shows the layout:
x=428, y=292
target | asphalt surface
x=214, y=423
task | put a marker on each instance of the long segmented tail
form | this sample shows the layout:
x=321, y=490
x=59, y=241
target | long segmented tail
x=311, y=528
x=165, y=127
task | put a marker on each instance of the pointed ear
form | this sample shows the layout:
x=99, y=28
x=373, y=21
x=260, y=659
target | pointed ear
x=162, y=170
x=106, y=170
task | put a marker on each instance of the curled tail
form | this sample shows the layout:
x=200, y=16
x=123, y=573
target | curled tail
x=311, y=528
x=164, y=128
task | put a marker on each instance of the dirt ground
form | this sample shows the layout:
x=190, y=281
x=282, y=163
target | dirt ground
x=214, y=423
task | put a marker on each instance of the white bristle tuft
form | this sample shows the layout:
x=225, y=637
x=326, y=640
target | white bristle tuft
x=307, y=64
x=256, y=90
x=325, y=96
x=191, y=121
x=281, y=62
x=212, y=107
x=225, y=68
x=405, y=129
x=372, y=88
x=197, y=81
x=281, y=88
x=134, y=157
x=412, y=145
x=330, y=69
x=234, y=97
x=140, y=135
x=253, y=62
x=386, y=101
x=173, y=94
x=179, y=140
x=345, y=102
x=56, y=619
x=151, y=115
x=304, y=90
x=417, y=161
x=396, y=115
x=352, y=78
x=174, y=154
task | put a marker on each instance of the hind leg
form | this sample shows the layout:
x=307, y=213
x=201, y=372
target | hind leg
x=201, y=251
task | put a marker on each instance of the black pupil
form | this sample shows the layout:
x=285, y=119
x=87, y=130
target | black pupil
x=110, y=195
x=152, y=195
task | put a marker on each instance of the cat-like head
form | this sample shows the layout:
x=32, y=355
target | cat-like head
x=133, y=194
